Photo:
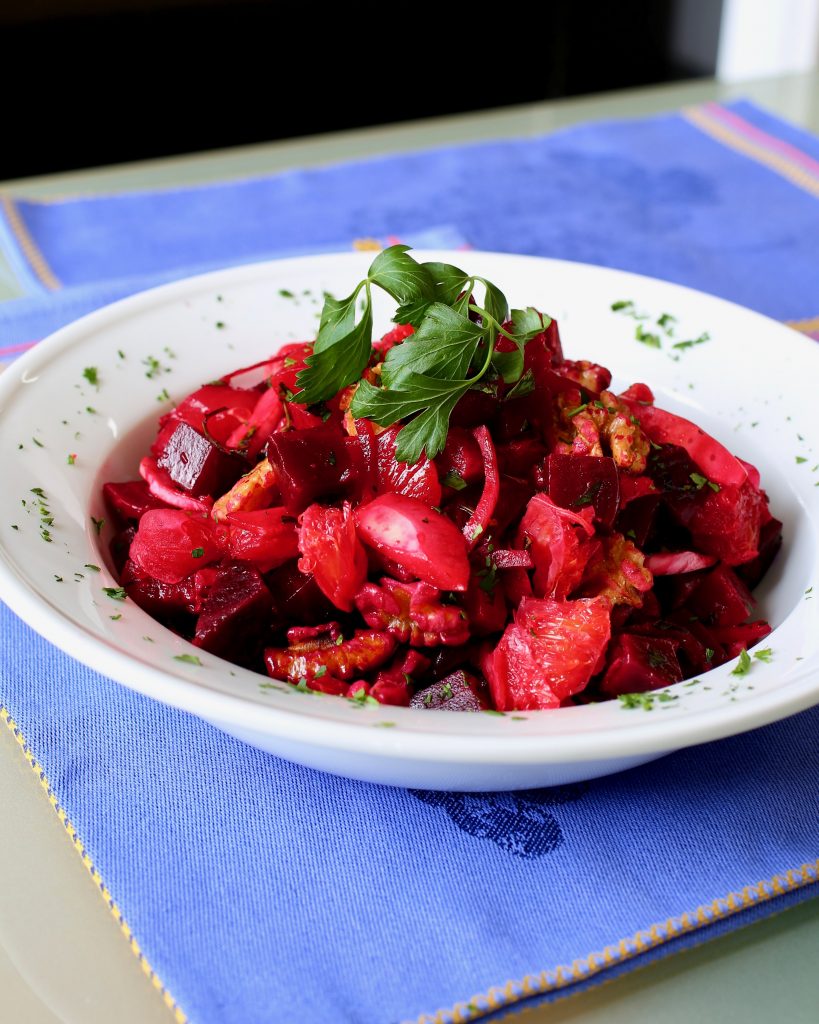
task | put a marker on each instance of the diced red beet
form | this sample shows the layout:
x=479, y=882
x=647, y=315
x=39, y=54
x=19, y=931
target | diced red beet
x=721, y=599
x=673, y=563
x=313, y=464
x=725, y=523
x=413, y=613
x=367, y=650
x=297, y=597
x=692, y=650
x=414, y=535
x=267, y=537
x=459, y=692
x=171, y=544
x=640, y=663
x=160, y=600
x=415, y=480
x=770, y=541
x=130, y=500
x=576, y=482
x=197, y=465
x=235, y=615
x=461, y=457
x=550, y=652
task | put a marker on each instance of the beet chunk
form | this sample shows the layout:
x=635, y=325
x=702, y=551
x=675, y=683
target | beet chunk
x=312, y=464
x=721, y=599
x=235, y=613
x=578, y=481
x=198, y=466
x=640, y=663
x=297, y=597
x=162, y=601
x=458, y=692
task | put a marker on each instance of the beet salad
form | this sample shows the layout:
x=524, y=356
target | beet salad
x=454, y=516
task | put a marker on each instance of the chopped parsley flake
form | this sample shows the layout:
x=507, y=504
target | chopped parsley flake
x=163, y=395
x=705, y=336
x=91, y=374
x=197, y=552
x=622, y=305
x=646, y=701
x=320, y=671
x=115, y=593
x=766, y=655
x=570, y=413
x=188, y=659
x=220, y=325
x=743, y=666
x=799, y=458
x=98, y=524
x=286, y=294
x=454, y=480
x=92, y=567
x=647, y=338
x=154, y=367
x=115, y=618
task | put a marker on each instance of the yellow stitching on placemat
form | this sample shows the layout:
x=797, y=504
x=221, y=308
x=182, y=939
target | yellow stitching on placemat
x=28, y=245
x=628, y=948
x=167, y=998
x=734, y=140
x=367, y=245
x=809, y=326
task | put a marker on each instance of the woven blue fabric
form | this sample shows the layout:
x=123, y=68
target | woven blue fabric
x=264, y=892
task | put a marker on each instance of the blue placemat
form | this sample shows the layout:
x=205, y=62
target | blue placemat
x=259, y=891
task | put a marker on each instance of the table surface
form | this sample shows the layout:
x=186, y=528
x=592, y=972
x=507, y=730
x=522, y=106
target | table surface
x=62, y=960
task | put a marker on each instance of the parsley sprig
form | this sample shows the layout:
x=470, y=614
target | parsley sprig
x=453, y=348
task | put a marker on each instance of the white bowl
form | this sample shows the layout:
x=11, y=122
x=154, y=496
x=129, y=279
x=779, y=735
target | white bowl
x=751, y=386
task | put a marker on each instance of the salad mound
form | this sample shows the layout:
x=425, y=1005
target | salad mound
x=454, y=516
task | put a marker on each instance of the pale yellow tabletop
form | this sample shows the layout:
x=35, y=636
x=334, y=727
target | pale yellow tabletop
x=62, y=958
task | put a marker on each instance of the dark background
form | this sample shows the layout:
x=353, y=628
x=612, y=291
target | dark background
x=95, y=82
